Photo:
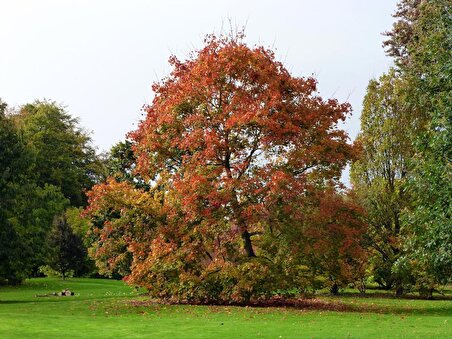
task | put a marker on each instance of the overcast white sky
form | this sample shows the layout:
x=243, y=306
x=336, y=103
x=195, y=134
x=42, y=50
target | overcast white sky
x=100, y=57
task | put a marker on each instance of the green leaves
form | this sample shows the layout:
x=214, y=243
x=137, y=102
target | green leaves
x=63, y=153
x=46, y=163
x=428, y=71
x=66, y=250
x=380, y=173
x=404, y=176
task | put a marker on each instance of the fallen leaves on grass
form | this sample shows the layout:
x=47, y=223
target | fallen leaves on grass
x=302, y=304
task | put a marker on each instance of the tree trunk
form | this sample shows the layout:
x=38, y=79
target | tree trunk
x=247, y=245
x=361, y=286
x=399, y=290
x=334, y=289
x=426, y=293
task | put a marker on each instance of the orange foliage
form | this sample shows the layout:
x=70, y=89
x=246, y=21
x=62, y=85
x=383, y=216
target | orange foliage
x=334, y=232
x=234, y=132
x=233, y=146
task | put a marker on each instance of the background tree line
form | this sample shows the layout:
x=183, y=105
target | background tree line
x=47, y=163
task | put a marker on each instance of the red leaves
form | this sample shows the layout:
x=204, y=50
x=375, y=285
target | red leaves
x=237, y=135
x=335, y=234
x=236, y=148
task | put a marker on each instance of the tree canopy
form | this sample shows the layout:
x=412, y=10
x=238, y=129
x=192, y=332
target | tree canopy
x=380, y=174
x=233, y=146
x=64, y=155
x=428, y=72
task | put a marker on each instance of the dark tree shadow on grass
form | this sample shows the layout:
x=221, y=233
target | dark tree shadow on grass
x=319, y=304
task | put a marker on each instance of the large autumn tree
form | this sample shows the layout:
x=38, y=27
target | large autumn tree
x=236, y=134
x=233, y=145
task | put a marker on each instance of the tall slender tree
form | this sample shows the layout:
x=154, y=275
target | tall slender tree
x=426, y=66
x=379, y=176
x=404, y=174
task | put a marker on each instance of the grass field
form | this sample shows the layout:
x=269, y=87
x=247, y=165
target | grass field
x=110, y=309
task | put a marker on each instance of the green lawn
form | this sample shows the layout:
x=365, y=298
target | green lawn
x=103, y=309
